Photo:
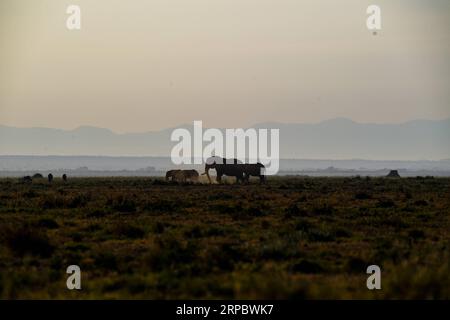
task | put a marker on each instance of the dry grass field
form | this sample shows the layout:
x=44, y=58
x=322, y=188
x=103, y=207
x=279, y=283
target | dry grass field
x=294, y=237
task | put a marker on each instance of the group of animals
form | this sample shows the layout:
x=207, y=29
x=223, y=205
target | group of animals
x=224, y=167
x=29, y=179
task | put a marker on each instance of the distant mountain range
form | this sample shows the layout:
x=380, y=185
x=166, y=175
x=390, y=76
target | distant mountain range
x=332, y=139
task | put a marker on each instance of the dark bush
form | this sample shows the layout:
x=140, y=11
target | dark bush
x=215, y=231
x=162, y=205
x=225, y=256
x=159, y=182
x=128, y=231
x=395, y=222
x=362, y=196
x=319, y=235
x=47, y=223
x=168, y=253
x=342, y=233
x=26, y=240
x=306, y=266
x=29, y=194
x=194, y=232
x=159, y=227
x=123, y=204
x=303, y=225
x=323, y=209
x=78, y=201
x=97, y=213
x=51, y=201
x=227, y=208
x=293, y=211
x=416, y=234
x=386, y=203
x=220, y=196
x=265, y=224
x=421, y=203
x=356, y=265
x=255, y=212
x=106, y=260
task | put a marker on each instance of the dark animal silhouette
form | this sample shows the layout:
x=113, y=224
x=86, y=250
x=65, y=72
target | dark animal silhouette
x=393, y=174
x=38, y=176
x=64, y=177
x=27, y=179
x=255, y=170
x=224, y=167
x=171, y=175
x=50, y=178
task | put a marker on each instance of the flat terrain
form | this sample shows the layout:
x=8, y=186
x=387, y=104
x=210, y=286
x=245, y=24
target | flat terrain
x=291, y=238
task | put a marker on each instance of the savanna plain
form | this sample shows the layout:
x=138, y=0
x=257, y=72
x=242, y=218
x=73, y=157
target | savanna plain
x=290, y=238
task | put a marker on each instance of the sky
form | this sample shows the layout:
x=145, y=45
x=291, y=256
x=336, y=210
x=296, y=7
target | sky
x=145, y=65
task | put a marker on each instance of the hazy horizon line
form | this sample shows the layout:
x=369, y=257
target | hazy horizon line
x=165, y=157
x=252, y=126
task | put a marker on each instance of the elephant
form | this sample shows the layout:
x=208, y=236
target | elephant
x=171, y=175
x=224, y=167
x=255, y=170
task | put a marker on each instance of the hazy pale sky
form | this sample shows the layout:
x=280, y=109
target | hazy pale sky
x=149, y=64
